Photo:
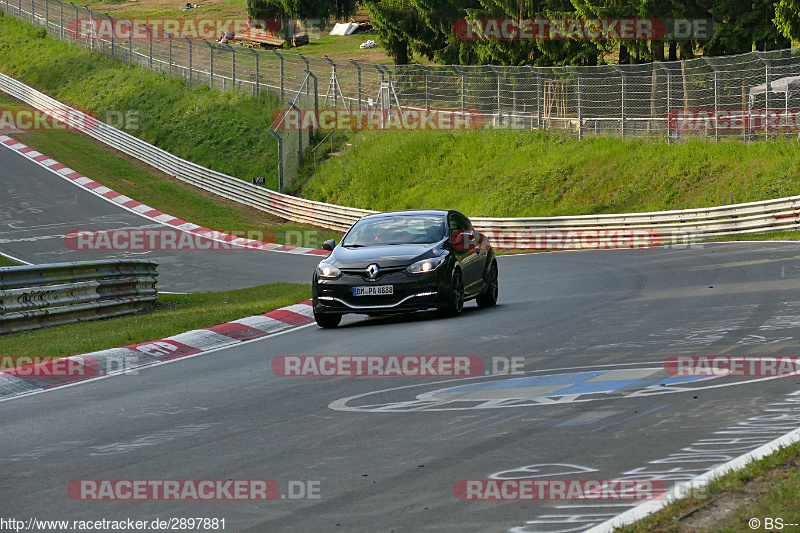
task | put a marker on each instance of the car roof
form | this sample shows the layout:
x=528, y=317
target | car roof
x=411, y=212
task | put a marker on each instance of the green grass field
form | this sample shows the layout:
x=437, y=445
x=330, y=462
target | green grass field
x=225, y=131
x=523, y=173
x=175, y=314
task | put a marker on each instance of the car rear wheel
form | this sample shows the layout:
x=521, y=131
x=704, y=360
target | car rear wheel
x=489, y=296
x=455, y=302
x=327, y=320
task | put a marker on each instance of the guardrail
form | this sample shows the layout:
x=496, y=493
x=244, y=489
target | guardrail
x=38, y=296
x=614, y=230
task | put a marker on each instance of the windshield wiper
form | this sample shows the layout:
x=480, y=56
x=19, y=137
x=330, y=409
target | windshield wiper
x=354, y=245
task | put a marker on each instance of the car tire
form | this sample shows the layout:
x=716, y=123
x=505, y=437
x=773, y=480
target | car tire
x=455, y=300
x=489, y=296
x=327, y=320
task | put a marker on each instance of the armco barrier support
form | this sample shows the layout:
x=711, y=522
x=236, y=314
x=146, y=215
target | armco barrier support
x=663, y=227
x=37, y=296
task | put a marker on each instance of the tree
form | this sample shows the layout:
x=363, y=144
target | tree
x=787, y=18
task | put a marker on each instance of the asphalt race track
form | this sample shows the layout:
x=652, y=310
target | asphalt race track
x=386, y=452
x=38, y=207
x=590, y=331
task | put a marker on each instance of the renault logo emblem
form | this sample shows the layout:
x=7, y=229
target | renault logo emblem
x=372, y=271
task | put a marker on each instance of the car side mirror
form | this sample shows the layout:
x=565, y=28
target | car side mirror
x=463, y=240
x=329, y=245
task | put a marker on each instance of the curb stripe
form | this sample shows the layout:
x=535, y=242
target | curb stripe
x=35, y=378
x=138, y=207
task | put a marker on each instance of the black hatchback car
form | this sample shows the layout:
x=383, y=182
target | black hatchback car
x=405, y=261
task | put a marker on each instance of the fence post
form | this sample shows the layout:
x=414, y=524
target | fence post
x=190, y=58
x=768, y=81
x=499, y=108
x=332, y=84
x=299, y=134
x=283, y=86
x=60, y=17
x=580, y=106
x=257, y=75
x=150, y=53
x=358, y=68
x=46, y=14
x=233, y=64
x=316, y=85
x=130, y=43
x=211, y=48
x=169, y=38
x=113, y=31
x=716, y=98
x=427, y=88
x=280, y=158
x=624, y=97
x=660, y=65
x=94, y=28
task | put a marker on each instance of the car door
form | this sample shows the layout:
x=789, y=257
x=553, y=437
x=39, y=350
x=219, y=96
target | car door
x=469, y=252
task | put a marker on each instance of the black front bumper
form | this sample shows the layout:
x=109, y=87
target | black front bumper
x=410, y=293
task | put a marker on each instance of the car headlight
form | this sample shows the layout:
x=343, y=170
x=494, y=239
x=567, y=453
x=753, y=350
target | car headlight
x=426, y=265
x=327, y=271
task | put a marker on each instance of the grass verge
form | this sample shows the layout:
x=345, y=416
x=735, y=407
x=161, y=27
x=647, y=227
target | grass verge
x=133, y=178
x=174, y=314
x=222, y=130
x=534, y=173
x=6, y=262
x=768, y=488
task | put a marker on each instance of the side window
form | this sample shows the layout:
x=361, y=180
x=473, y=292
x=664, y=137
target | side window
x=459, y=221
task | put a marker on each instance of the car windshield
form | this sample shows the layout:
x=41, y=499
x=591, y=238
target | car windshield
x=403, y=229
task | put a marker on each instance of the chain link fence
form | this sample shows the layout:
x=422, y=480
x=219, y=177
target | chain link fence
x=747, y=96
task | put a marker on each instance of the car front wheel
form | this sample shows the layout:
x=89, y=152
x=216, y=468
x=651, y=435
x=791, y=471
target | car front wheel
x=455, y=301
x=489, y=296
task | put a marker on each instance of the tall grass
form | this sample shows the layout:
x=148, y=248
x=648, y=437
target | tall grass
x=524, y=173
x=225, y=131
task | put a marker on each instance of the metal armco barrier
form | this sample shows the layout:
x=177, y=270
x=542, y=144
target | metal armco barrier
x=662, y=227
x=38, y=296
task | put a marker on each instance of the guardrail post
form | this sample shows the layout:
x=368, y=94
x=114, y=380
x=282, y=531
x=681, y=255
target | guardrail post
x=256, y=88
x=624, y=97
x=283, y=85
x=280, y=158
x=358, y=68
x=716, y=97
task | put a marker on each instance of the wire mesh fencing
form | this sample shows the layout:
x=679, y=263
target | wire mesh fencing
x=749, y=96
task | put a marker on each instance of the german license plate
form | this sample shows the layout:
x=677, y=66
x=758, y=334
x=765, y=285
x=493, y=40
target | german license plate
x=373, y=290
